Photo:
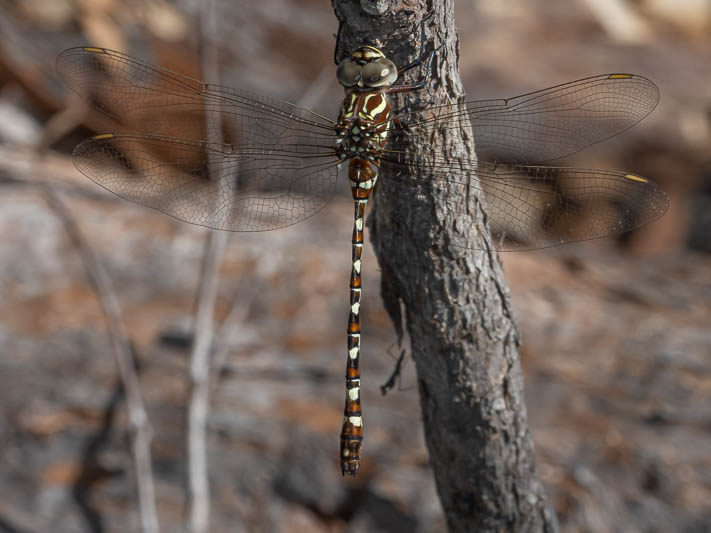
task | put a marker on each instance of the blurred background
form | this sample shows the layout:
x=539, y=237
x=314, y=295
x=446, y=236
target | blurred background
x=616, y=338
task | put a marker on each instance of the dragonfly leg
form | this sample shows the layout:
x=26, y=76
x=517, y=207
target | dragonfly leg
x=420, y=84
x=421, y=52
x=395, y=376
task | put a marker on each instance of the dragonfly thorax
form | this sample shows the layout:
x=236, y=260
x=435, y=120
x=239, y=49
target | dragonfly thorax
x=361, y=132
x=358, y=138
x=362, y=125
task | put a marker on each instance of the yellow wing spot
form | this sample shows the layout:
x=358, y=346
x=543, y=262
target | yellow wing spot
x=94, y=50
x=619, y=76
x=636, y=178
x=103, y=136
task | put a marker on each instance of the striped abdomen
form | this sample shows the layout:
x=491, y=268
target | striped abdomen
x=362, y=130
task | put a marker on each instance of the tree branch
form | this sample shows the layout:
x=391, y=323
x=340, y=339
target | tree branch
x=463, y=335
x=198, y=515
x=198, y=404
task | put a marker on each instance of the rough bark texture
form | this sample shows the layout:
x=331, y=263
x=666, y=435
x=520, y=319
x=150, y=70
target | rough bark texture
x=457, y=312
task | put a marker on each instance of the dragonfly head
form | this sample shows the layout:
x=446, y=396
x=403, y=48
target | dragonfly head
x=366, y=68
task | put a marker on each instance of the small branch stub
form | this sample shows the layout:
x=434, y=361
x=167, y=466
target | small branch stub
x=375, y=7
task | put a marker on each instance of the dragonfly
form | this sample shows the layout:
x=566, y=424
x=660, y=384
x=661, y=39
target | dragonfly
x=232, y=160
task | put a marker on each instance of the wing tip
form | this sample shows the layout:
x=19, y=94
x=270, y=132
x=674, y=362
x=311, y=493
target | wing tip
x=640, y=79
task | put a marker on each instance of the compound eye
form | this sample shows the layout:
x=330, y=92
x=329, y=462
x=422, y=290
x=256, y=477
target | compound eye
x=379, y=73
x=348, y=73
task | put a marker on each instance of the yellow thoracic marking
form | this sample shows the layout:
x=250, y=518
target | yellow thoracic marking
x=95, y=50
x=103, y=136
x=619, y=76
x=380, y=107
x=636, y=178
x=377, y=110
x=348, y=106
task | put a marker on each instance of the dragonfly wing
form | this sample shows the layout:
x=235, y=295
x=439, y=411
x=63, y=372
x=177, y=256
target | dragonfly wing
x=220, y=186
x=275, y=164
x=551, y=123
x=145, y=98
x=531, y=207
x=537, y=207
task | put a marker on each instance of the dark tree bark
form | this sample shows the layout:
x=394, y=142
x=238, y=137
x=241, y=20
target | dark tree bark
x=457, y=311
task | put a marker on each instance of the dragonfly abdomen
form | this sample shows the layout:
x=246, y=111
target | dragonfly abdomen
x=352, y=430
x=361, y=130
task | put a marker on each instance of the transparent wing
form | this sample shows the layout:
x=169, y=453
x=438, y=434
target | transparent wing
x=220, y=186
x=548, y=124
x=275, y=164
x=149, y=99
x=531, y=207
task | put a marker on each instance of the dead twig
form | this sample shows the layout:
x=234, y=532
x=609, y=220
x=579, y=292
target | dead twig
x=246, y=293
x=198, y=489
x=139, y=428
x=22, y=165
x=198, y=404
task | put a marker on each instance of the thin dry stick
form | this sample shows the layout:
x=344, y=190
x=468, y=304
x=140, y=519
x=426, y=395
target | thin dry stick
x=237, y=315
x=318, y=88
x=198, y=487
x=140, y=430
x=23, y=165
x=198, y=515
